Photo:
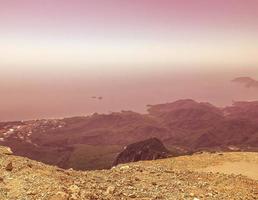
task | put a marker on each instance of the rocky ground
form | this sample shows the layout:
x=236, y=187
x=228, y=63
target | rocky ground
x=172, y=178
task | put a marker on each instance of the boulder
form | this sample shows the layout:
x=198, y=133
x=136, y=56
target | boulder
x=150, y=149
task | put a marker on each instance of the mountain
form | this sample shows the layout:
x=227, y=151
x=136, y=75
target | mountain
x=247, y=82
x=93, y=142
x=186, y=177
x=150, y=149
x=243, y=110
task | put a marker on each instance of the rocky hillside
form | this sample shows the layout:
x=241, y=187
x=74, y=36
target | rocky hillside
x=150, y=149
x=172, y=178
x=93, y=142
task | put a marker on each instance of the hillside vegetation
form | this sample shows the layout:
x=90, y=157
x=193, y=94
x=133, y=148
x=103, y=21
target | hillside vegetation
x=94, y=141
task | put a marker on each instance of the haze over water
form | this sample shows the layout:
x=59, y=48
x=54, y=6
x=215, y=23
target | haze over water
x=55, y=55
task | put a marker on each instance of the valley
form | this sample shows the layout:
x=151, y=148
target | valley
x=93, y=142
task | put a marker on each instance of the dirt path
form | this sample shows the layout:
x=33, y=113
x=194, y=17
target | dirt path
x=248, y=169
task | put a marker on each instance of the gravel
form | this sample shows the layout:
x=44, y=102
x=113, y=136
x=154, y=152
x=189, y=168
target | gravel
x=168, y=179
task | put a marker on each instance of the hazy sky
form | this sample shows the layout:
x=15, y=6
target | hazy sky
x=56, y=54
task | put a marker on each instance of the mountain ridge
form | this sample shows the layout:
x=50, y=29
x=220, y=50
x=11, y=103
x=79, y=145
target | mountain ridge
x=93, y=142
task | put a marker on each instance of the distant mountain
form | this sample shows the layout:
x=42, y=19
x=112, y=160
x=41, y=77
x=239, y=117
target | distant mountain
x=93, y=142
x=247, y=82
x=243, y=110
x=150, y=149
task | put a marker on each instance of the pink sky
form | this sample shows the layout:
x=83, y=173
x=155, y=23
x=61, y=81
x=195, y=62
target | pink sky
x=56, y=54
x=117, y=12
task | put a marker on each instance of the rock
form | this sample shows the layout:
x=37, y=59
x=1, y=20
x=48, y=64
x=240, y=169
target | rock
x=126, y=167
x=30, y=193
x=110, y=190
x=60, y=196
x=154, y=183
x=132, y=195
x=150, y=149
x=9, y=166
x=74, y=197
x=209, y=194
x=191, y=195
x=6, y=150
x=74, y=189
x=29, y=165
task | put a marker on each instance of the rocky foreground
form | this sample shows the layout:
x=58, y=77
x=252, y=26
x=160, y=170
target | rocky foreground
x=171, y=178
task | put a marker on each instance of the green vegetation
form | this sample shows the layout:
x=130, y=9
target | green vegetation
x=93, y=157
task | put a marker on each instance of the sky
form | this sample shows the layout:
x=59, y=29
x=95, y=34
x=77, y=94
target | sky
x=56, y=54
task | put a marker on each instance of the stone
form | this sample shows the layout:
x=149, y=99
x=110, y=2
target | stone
x=31, y=193
x=149, y=149
x=191, y=194
x=137, y=179
x=74, y=189
x=29, y=165
x=9, y=166
x=110, y=190
x=60, y=196
x=126, y=167
x=154, y=183
x=132, y=195
x=74, y=197
x=8, y=151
